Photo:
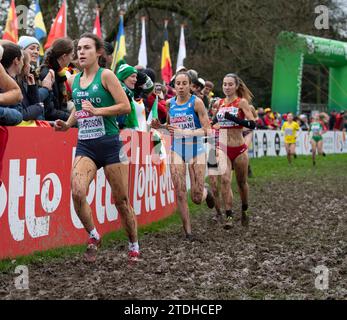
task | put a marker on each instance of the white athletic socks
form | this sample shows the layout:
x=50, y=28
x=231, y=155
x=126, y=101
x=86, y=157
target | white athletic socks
x=134, y=246
x=94, y=234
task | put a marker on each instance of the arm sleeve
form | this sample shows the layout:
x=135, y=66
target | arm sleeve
x=33, y=94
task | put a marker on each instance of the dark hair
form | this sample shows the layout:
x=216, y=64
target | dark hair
x=185, y=73
x=99, y=43
x=209, y=84
x=108, y=48
x=21, y=77
x=242, y=90
x=75, y=45
x=11, y=52
x=59, y=47
x=151, y=73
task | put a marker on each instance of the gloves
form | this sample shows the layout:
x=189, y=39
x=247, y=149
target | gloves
x=250, y=124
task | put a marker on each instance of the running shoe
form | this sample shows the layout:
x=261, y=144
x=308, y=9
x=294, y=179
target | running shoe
x=314, y=162
x=92, y=249
x=324, y=155
x=209, y=198
x=193, y=238
x=189, y=237
x=295, y=156
x=228, y=223
x=217, y=216
x=133, y=255
x=245, y=218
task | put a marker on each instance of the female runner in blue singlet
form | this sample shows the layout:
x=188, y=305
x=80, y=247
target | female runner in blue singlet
x=188, y=123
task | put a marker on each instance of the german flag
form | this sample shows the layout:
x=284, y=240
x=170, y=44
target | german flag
x=166, y=66
x=11, y=29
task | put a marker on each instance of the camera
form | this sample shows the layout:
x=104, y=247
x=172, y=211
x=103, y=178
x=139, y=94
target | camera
x=158, y=88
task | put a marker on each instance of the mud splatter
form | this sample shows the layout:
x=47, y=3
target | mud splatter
x=291, y=233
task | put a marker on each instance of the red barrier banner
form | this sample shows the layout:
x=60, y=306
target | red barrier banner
x=36, y=209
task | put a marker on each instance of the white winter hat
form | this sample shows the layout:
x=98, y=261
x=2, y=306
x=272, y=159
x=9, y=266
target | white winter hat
x=26, y=41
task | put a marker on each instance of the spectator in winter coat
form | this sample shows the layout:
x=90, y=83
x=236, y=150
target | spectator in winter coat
x=58, y=58
x=12, y=61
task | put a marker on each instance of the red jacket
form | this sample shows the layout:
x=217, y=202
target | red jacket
x=338, y=122
x=269, y=122
x=162, y=112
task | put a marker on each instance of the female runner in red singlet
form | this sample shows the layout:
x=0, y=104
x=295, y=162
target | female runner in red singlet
x=230, y=120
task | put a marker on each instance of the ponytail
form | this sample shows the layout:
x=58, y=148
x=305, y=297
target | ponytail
x=49, y=57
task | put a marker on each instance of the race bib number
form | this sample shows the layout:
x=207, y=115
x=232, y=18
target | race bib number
x=315, y=130
x=221, y=116
x=89, y=127
x=183, y=122
x=288, y=132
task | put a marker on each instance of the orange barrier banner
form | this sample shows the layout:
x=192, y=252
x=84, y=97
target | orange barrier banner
x=36, y=210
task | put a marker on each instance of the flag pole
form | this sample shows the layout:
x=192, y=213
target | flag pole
x=65, y=18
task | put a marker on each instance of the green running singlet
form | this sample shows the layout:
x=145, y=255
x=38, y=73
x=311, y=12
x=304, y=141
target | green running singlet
x=89, y=126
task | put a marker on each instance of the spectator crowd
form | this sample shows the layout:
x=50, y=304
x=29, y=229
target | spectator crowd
x=43, y=93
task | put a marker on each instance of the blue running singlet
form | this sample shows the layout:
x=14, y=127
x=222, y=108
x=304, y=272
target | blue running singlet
x=184, y=117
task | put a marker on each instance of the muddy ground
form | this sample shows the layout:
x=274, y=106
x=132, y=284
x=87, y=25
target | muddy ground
x=296, y=227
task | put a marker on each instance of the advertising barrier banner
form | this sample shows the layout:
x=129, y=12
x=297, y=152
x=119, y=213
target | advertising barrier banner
x=271, y=143
x=36, y=209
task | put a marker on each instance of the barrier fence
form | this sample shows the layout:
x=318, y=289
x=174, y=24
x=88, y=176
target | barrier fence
x=271, y=143
x=36, y=210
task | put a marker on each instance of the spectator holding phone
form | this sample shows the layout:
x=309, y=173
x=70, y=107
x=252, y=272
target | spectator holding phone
x=158, y=92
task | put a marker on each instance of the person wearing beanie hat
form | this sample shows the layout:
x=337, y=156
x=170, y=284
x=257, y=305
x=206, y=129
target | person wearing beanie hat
x=127, y=75
x=32, y=46
x=125, y=71
x=193, y=74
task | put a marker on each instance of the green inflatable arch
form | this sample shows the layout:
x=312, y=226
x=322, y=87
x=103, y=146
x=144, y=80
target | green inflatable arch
x=292, y=52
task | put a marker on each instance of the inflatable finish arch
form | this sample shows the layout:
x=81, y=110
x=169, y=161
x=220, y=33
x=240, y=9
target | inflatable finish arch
x=292, y=52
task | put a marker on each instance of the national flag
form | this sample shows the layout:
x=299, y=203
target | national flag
x=97, y=24
x=159, y=149
x=11, y=29
x=143, y=46
x=166, y=66
x=182, y=53
x=120, y=49
x=154, y=112
x=58, y=29
x=157, y=138
x=39, y=26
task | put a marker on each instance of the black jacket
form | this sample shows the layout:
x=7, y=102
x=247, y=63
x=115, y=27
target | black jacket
x=55, y=106
x=32, y=109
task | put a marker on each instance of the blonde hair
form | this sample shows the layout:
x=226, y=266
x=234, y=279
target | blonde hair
x=242, y=90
